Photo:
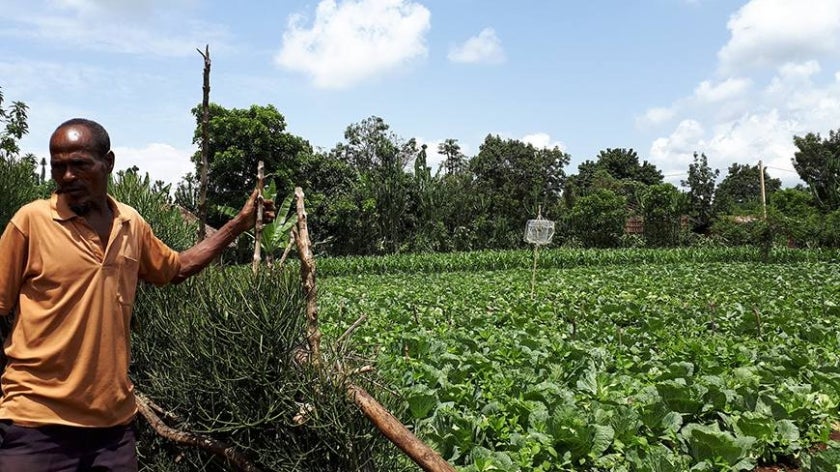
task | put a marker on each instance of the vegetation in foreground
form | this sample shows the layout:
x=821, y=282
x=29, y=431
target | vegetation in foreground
x=638, y=367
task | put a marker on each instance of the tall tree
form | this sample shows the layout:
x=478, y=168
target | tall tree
x=623, y=164
x=740, y=190
x=701, y=191
x=19, y=181
x=370, y=143
x=455, y=161
x=617, y=170
x=662, y=207
x=818, y=163
x=380, y=206
x=597, y=219
x=239, y=139
x=15, y=126
x=515, y=179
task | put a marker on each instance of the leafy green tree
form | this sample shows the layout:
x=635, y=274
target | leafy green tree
x=701, y=191
x=15, y=126
x=740, y=190
x=662, y=207
x=617, y=170
x=623, y=164
x=455, y=161
x=370, y=144
x=513, y=180
x=377, y=213
x=598, y=219
x=239, y=139
x=818, y=163
x=19, y=181
x=794, y=215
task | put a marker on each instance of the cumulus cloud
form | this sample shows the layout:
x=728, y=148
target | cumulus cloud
x=543, y=141
x=655, y=116
x=354, y=40
x=161, y=161
x=486, y=48
x=769, y=32
x=768, y=87
x=728, y=89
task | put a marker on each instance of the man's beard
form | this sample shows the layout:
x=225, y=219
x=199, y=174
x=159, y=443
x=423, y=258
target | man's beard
x=81, y=209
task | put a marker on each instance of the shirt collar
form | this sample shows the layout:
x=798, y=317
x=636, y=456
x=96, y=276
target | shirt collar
x=61, y=210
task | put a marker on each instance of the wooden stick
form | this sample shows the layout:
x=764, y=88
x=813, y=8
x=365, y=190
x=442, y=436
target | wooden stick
x=343, y=338
x=205, y=140
x=288, y=249
x=307, y=274
x=258, y=226
x=397, y=433
x=188, y=439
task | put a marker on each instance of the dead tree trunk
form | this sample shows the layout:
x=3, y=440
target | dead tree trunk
x=205, y=143
x=307, y=264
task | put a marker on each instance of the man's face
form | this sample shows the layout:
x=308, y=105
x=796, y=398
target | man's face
x=80, y=174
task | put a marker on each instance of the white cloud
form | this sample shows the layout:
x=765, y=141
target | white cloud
x=745, y=114
x=674, y=153
x=161, y=161
x=485, y=48
x=768, y=32
x=128, y=27
x=354, y=40
x=543, y=141
x=655, y=116
x=726, y=90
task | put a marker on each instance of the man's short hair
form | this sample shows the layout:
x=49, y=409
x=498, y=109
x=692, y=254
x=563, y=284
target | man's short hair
x=101, y=140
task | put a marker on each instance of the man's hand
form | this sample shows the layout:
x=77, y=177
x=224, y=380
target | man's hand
x=248, y=213
x=197, y=257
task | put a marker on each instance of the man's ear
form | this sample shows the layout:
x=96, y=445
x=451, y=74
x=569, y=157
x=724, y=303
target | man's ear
x=109, y=160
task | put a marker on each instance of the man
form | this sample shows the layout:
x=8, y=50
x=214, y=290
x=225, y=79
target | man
x=69, y=268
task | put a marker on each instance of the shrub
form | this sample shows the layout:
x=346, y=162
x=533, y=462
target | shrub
x=19, y=185
x=598, y=218
x=217, y=351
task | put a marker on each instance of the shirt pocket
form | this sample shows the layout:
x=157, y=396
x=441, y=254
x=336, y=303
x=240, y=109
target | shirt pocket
x=128, y=268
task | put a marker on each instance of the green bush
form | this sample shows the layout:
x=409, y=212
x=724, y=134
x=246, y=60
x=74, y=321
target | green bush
x=19, y=185
x=218, y=351
x=598, y=218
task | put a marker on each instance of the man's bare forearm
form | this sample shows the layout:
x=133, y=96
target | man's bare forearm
x=196, y=258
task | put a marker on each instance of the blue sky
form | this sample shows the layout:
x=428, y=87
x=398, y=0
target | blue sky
x=735, y=80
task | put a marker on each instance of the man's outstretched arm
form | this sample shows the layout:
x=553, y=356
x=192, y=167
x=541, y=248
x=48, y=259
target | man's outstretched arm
x=196, y=258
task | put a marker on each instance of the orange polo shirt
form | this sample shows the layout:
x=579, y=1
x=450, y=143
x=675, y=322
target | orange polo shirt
x=68, y=351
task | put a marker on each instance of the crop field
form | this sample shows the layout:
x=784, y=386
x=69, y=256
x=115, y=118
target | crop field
x=649, y=363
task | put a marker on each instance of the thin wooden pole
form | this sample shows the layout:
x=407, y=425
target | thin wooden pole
x=205, y=140
x=763, y=195
x=534, y=270
x=258, y=225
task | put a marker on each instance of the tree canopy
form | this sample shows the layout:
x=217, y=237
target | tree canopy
x=818, y=163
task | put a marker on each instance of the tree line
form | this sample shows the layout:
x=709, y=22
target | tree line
x=376, y=193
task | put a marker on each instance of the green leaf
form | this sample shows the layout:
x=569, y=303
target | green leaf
x=707, y=443
x=756, y=425
x=601, y=439
x=787, y=431
x=421, y=401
